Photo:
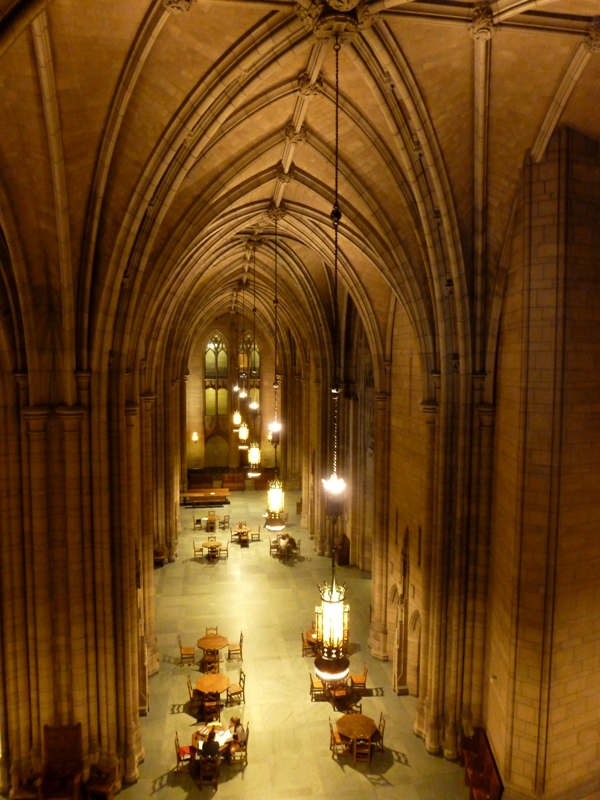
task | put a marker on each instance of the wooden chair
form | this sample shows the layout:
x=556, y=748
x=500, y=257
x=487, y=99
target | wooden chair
x=235, y=650
x=184, y=755
x=224, y=523
x=211, y=522
x=274, y=547
x=255, y=535
x=101, y=782
x=337, y=693
x=62, y=772
x=197, y=523
x=224, y=550
x=187, y=655
x=237, y=691
x=195, y=698
x=307, y=649
x=239, y=750
x=211, y=709
x=212, y=630
x=209, y=771
x=362, y=750
x=339, y=745
x=233, y=535
x=295, y=548
x=358, y=683
x=377, y=738
x=25, y=786
x=353, y=708
x=211, y=661
x=317, y=689
x=197, y=548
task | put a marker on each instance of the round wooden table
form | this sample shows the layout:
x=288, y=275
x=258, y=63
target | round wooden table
x=213, y=683
x=213, y=548
x=212, y=642
x=356, y=726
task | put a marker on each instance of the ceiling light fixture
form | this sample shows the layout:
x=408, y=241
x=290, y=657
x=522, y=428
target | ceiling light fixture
x=335, y=486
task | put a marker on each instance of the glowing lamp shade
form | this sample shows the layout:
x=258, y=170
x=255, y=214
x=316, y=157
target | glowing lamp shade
x=334, y=488
x=243, y=393
x=243, y=432
x=274, y=432
x=275, y=506
x=237, y=418
x=332, y=663
x=254, y=455
x=194, y=436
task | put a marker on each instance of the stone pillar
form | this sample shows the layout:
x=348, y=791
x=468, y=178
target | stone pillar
x=148, y=527
x=424, y=701
x=73, y=681
x=379, y=591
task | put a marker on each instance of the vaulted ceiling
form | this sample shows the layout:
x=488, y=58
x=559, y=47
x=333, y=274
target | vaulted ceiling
x=147, y=147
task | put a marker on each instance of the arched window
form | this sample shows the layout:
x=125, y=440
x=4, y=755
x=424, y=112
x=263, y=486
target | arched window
x=216, y=375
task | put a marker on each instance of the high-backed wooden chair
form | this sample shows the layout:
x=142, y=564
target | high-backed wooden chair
x=234, y=649
x=239, y=750
x=211, y=661
x=236, y=693
x=362, y=750
x=25, y=786
x=184, y=755
x=211, y=709
x=339, y=746
x=307, y=649
x=209, y=771
x=377, y=738
x=63, y=763
x=317, y=689
x=198, y=552
x=274, y=547
x=211, y=522
x=224, y=523
x=195, y=698
x=358, y=683
x=212, y=630
x=187, y=655
x=101, y=783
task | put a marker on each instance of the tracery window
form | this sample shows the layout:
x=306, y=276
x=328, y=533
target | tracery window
x=216, y=376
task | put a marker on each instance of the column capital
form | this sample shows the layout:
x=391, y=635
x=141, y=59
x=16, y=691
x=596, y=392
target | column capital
x=70, y=417
x=36, y=417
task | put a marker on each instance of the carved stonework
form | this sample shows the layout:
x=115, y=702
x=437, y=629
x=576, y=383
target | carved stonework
x=296, y=137
x=482, y=24
x=341, y=18
x=593, y=40
x=178, y=6
x=306, y=88
x=275, y=212
x=283, y=176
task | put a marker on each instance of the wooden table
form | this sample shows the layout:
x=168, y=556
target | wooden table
x=212, y=641
x=225, y=735
x=213, y=683
x=213, y=548
x=356, y=726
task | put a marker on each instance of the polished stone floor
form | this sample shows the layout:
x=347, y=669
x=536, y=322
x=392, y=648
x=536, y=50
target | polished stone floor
x=288, y=751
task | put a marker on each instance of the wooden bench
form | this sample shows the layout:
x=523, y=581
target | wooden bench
x=481, y=773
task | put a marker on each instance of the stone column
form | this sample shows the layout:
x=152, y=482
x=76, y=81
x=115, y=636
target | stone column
x=148, y=527
x=73, y=672
x=379, y=591
x=423, y=702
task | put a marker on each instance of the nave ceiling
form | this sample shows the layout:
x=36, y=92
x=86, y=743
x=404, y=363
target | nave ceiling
x=145, y=144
